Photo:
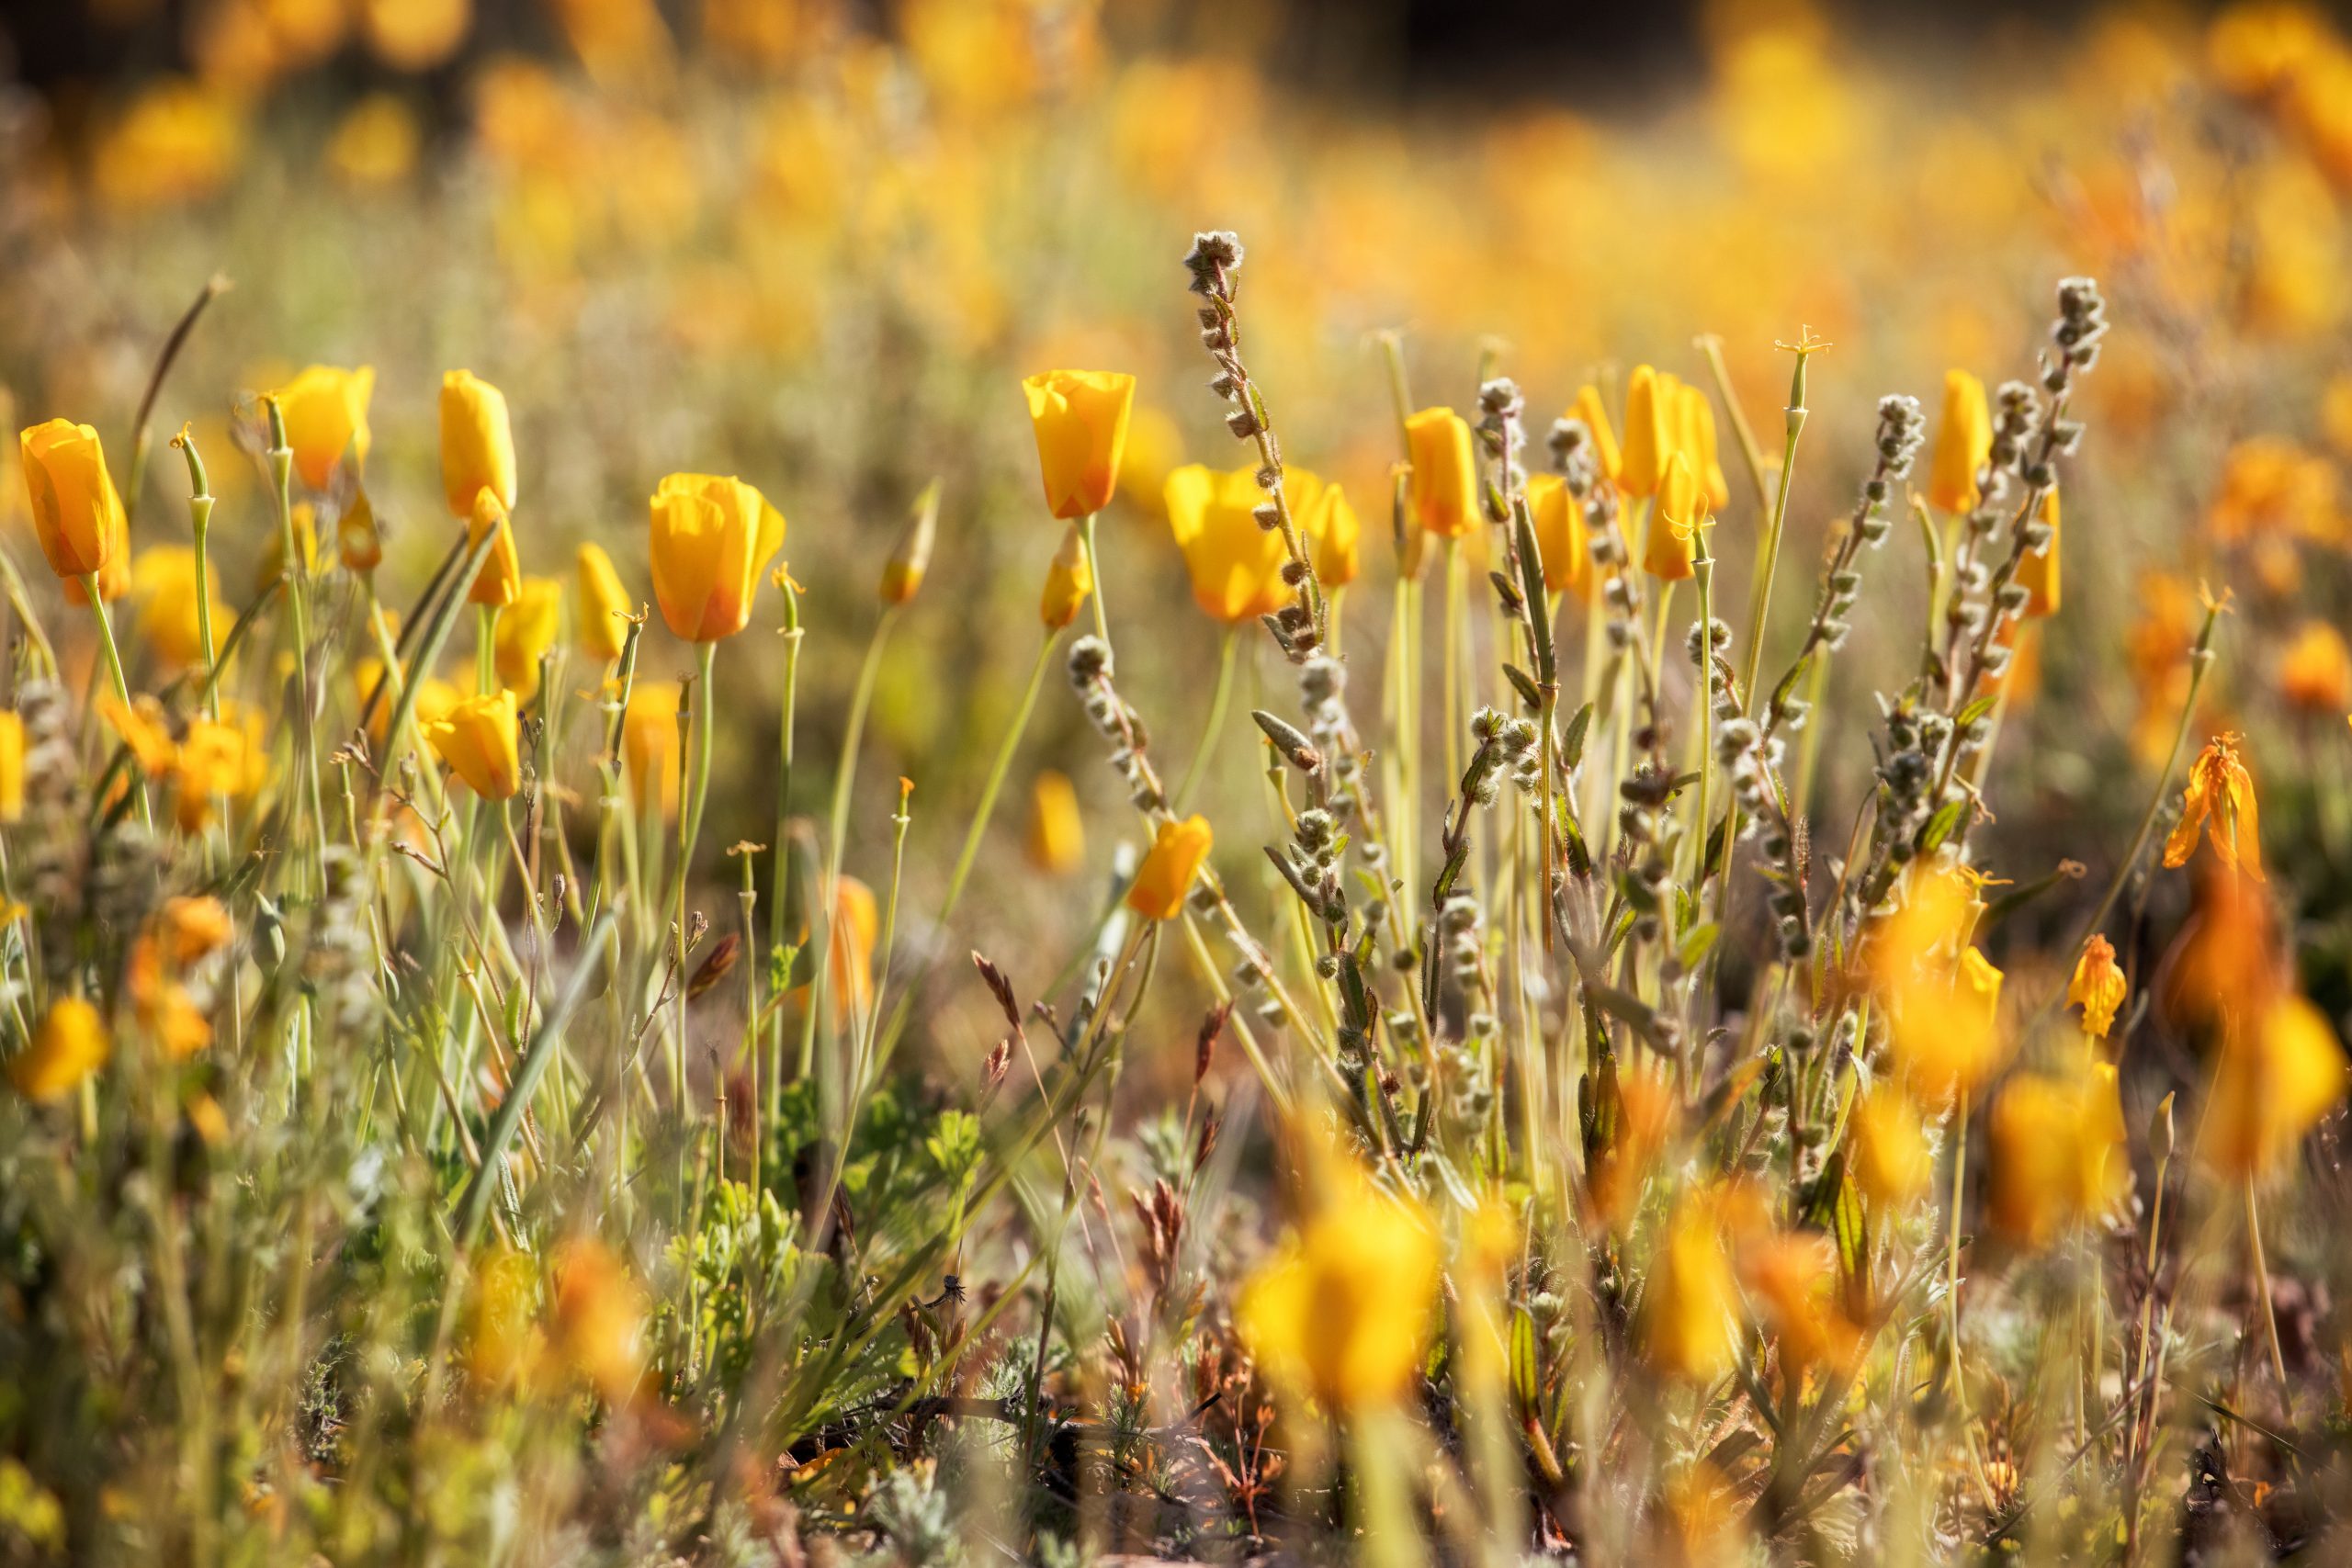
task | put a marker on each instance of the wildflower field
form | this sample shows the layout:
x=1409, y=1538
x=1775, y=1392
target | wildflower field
x=1038, y=781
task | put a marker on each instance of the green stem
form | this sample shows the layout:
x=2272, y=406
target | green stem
x=997, y=772
x=1094, y=565
x=114, y=673
x=1217, y=704
x=1768, y=557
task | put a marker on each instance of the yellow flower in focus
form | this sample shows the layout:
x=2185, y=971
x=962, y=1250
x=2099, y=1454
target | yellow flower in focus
x=376, y=143
x=2038, y=572
x=1080, y=418
x=1649, y=437
x=1964, y=441
x=163, y=579
x=649, y=741
x=1056, y=827
x=1337, y=533
x=1594, y=414
x=2276, y=1077
x=1672, y=549
x=712, y=540
x=12, y=766
x=1235, y=566
x=76, y=512
x=70, y=1045
x=604, y=606
x=326, y=415
x=1445, y=473
x=1167, y=870
x=1691, y=1303
x=2097, y=986
x=1886, y=1149
x=527, y=628
x=1342, y=1312
x=477, y=444
x=2315, y=672
x=1560, y=536
x=500, y=577
x=2221, y=790
x=599, y=1319
x=2058, y=1153
x=1070, y=579
x=1695, y=439
x=477, y=739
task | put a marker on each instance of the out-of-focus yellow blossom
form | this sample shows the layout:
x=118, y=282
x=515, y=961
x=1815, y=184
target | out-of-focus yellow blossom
x=70, y=1045
x=1594, y=413
x=221, y=758
x=500, y=577
x=619, y=41
x=1784, y=106
x=1649, y=438
x=2315, y=672
x=2038, y=572
x=604, y=606
x=650, y=741
x=2257, y=47
x=1964, y=441
x=1671, y=551
x=12, y=766
x=2097, y=986
x=1330, y=522
x=1942, y=996
x=1886, y=1150
x=857, y=921
x=2271, y=486
x=527, y=629
x=2221, y=790
x=192, y=927
x=1080, y=418
x=1168, y=868
x=712, y=540
x=1342, y=1311
x=477, y=739
x=177, y=141
x=599, y=1319
x=1070, y=579
x=2336, y=413
x=2058, y=1158
x=1446, y=474
x=902, y=574
x=2277, y=1073
x=326, y=415
x=1792, y=1276
x=1689, y=1326
x=1235, y=567
x=163, y=579
x=415, y=35
x=304, y=515
x=144, y=730
x=358, y=542
x=376, y=143
x=1154, y=449
x=1560, y=536
x=1056, y=827
x=504, y=1346
x=76, y=512
x=477, y=444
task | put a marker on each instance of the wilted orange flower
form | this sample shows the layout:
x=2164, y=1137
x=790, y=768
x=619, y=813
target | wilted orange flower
x=2273, y=1080
x=2097, y=986
x=2315, y=672
x=2219, y=789
x=1168, y=869
x=1056, y=828
x=1963, y=440
x=1446, y=474
x=1080, y=418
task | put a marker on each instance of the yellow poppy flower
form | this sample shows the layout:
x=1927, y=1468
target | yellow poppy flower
x=1056, y=828
x=1560, y=536
x=1343, y=1311
x=712, y=539
x=1672, y=549
x=2271, y=1083
x=1649, y=437
x=76, y=512
x=477, y=444
x=1167, y=870
x=2315, y=672
x=604, y=606
x=1689, y=1326
x=70, y=1045
x=1594, y=415
x=1445, y=473
x=1080, y=418
x=2057, y=1153
x=12, y=766
x=1235, y=565
x=649, y=741
x=527, y=629
x=1886, y=1147
x=163, y=579
x=1331, y=522
x=479, y=740
x=1963, y=440
x=326, y=411
x=1696, y=438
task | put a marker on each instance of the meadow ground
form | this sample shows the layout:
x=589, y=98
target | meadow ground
x=1044, y=779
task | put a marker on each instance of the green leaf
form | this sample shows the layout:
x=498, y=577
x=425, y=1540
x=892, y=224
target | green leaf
x=1572, y=743
x=1941, y=826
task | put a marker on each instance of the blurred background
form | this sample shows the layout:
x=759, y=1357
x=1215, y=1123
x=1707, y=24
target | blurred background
x=818, y=244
